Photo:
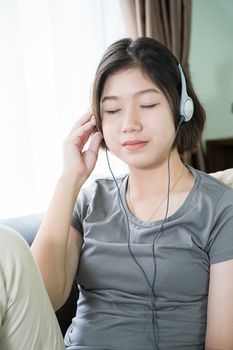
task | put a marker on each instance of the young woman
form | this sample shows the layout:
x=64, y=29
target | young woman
x=152, y=251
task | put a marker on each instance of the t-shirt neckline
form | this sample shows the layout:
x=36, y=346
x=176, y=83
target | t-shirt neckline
x=185, y=206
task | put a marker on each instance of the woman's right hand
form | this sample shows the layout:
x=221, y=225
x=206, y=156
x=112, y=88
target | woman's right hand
x=77, y=162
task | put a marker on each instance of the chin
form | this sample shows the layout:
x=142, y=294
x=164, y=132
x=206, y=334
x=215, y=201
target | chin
x=143, y=163
x=141, y=159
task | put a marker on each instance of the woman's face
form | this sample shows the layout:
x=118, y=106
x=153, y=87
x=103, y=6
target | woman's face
x=137, y=120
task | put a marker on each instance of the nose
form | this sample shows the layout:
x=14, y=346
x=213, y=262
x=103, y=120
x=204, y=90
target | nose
x=131, y=121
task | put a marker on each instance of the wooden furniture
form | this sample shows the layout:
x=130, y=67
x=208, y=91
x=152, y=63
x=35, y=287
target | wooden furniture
x=219, y=154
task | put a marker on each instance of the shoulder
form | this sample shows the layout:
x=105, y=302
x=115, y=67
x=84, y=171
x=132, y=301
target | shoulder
x=212, y=187
x=210, y=179
x=103, y=186
x=213, y=201
x=225, y=176
x=209, y=182
x=96, y=196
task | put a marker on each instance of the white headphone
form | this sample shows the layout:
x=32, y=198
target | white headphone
x=186, y=103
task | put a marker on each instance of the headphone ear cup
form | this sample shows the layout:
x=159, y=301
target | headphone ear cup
x=188, y=109
x=186, y=103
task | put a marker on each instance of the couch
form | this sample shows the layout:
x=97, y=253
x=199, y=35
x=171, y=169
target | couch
x=28, y=226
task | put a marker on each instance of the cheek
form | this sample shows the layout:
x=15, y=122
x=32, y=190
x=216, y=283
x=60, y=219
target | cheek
x=110, y=127
x=108, y=134
x=164, y=124
x=157, y=127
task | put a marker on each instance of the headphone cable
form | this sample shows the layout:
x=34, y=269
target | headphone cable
x=155, y=240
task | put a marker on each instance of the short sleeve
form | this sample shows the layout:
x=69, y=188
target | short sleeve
x=80, y=210
x=220, y=245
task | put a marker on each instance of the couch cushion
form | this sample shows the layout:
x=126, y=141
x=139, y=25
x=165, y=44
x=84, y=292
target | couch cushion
x=27, y=225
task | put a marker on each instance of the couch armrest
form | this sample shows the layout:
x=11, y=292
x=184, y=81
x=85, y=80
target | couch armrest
x=27, y=226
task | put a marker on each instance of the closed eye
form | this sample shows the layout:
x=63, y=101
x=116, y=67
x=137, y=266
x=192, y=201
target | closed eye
x=113, y=111
x=149, y=106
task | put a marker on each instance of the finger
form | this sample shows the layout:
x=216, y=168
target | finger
x=89, y=125
x=91, y=154
x=81, y=135
x=83, y=120
x=95, y=142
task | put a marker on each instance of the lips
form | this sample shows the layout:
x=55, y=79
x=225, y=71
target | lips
x=134, y=144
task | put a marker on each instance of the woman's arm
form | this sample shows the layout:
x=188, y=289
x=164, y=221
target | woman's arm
x=57, y=245
x=219, y=333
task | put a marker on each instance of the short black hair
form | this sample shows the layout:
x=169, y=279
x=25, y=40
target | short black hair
x=158, y=63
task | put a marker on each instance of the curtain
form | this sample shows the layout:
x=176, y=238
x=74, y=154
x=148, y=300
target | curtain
x=168, y=21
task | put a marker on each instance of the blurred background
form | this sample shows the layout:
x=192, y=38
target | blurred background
x=49, y=50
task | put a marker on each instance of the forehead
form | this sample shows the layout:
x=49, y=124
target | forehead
x=128, y=80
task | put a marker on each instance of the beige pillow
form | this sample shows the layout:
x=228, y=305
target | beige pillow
x=225, y=176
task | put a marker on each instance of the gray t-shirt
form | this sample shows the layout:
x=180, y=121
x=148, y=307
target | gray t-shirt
x=114, y=308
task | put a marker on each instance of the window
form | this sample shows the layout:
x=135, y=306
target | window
x=49, y=53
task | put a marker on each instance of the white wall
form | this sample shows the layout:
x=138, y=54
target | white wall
x=211, y=63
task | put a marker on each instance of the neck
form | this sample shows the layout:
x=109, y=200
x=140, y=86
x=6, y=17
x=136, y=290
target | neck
x=150, y=182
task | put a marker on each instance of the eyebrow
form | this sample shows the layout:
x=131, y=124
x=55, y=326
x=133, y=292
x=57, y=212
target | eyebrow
x=141, y=92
